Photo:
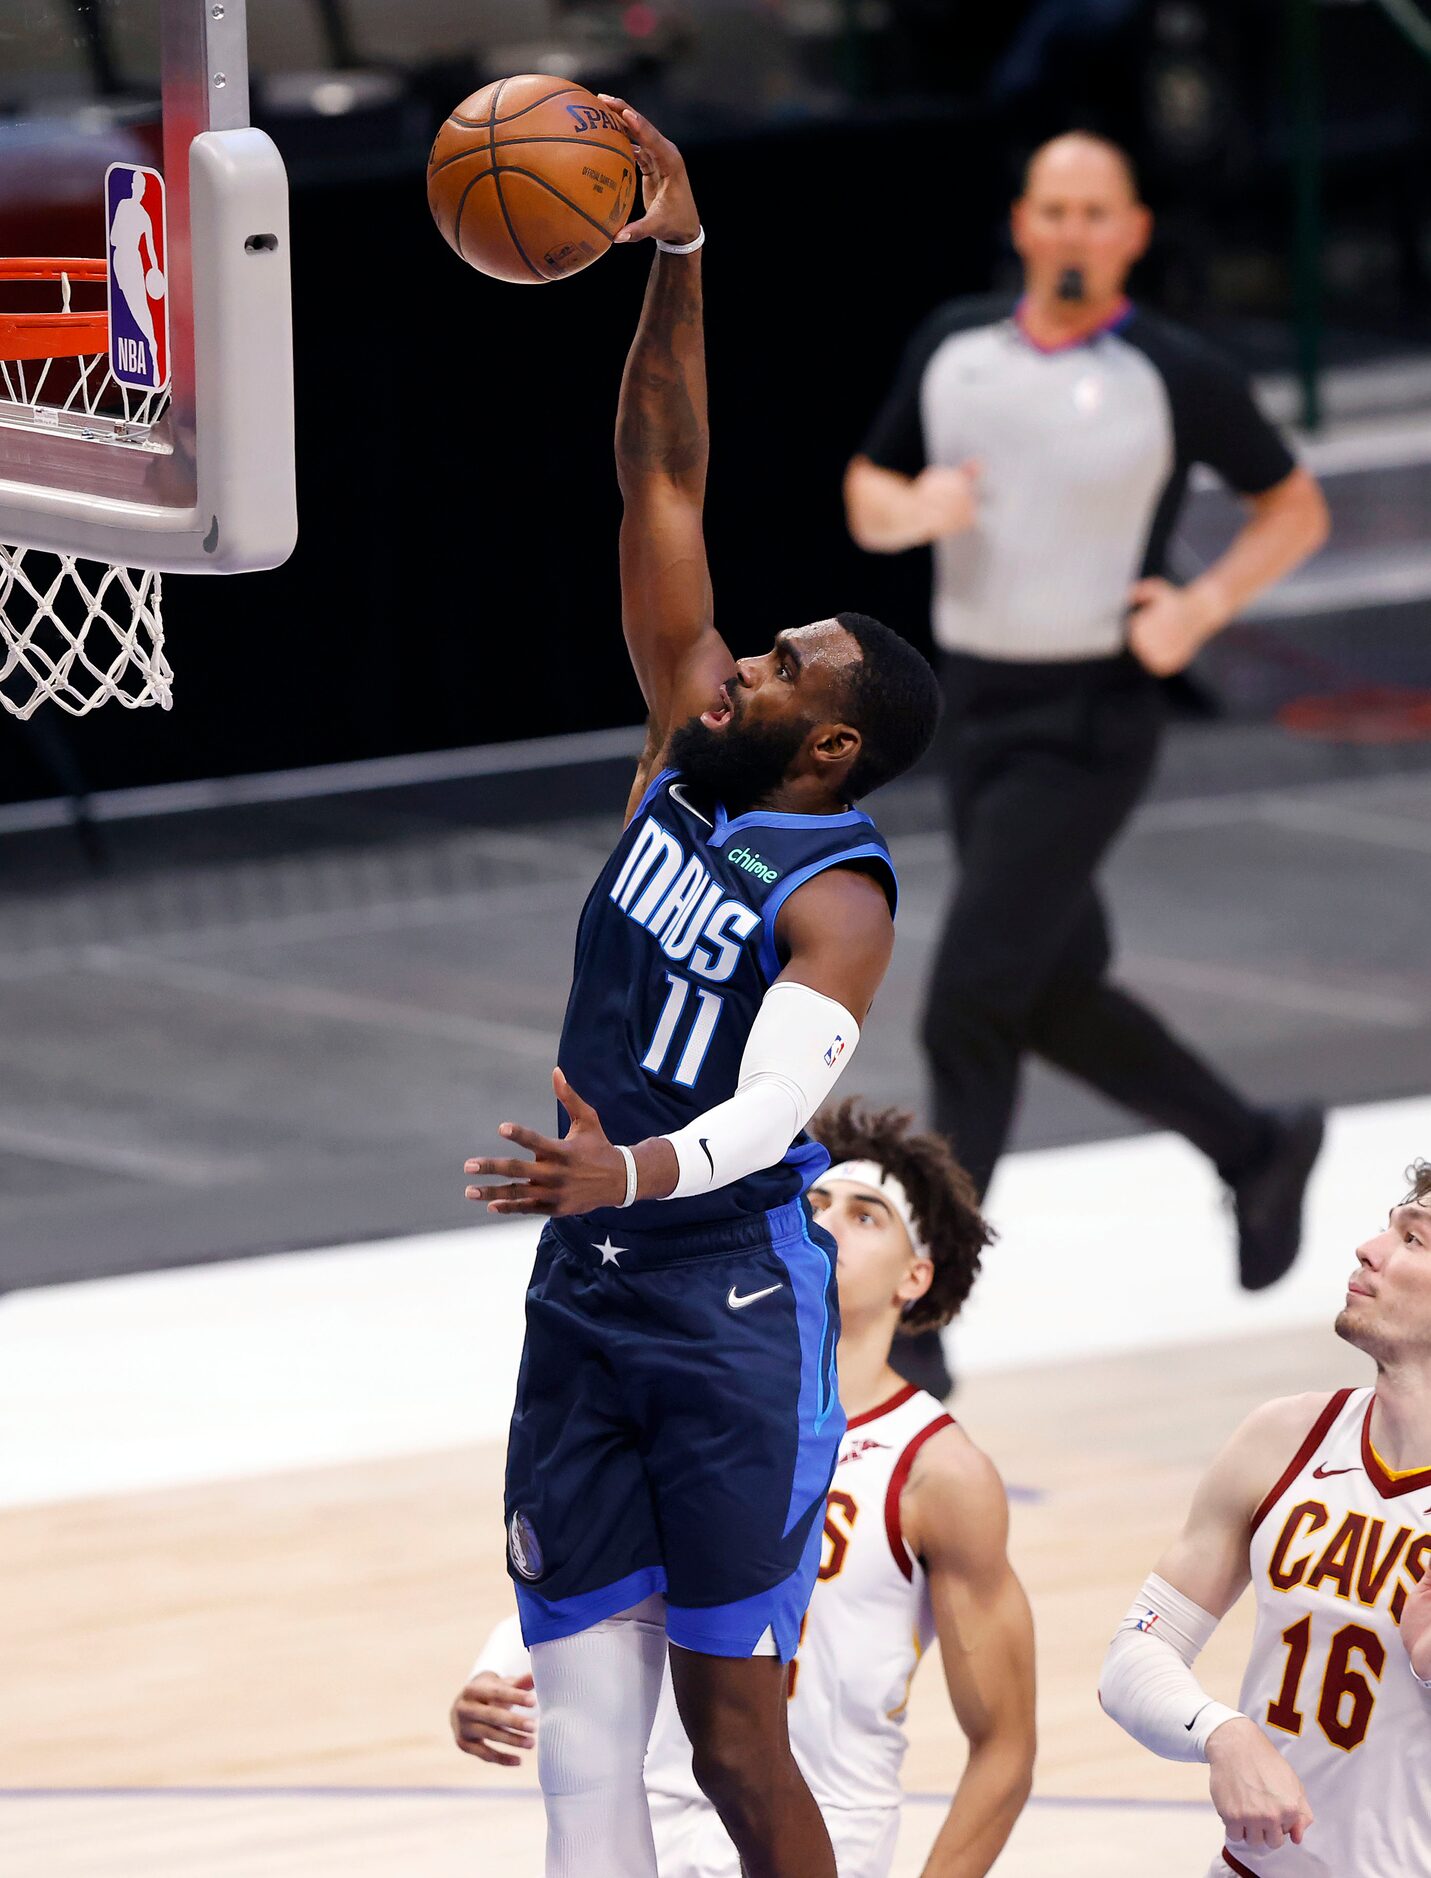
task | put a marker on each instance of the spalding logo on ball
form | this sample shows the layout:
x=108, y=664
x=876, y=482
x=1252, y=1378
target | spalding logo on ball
x=531, y=179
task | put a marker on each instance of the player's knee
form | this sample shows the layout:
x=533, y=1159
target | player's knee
x=576, y=1755
x=738, y=1773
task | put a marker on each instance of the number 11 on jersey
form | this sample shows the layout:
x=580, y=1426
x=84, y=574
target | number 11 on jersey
x=708, y=1009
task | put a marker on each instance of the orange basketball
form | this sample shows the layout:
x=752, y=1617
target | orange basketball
x=530, y=178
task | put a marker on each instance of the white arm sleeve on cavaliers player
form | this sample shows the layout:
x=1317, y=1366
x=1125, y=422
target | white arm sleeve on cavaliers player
x=503, y=1654
x=798, y=1045
x=1147, y=1684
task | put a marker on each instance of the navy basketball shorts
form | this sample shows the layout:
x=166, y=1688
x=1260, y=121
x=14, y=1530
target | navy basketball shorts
x=676, y=1427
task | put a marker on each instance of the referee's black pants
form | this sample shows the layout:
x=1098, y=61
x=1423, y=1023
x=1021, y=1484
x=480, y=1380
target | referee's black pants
x=1047, y=763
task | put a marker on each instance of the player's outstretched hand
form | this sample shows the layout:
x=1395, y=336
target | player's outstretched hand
x=492, y=1714
x=572, y=1176
x=1258, y=1797
x=665, y=188
x=1416, y=1628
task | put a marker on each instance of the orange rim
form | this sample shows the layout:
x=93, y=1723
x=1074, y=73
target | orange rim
x=33, y=337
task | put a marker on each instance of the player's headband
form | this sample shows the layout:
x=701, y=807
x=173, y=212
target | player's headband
x=889, y=1187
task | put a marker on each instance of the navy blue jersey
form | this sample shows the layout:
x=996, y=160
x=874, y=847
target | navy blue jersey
x=674, y=952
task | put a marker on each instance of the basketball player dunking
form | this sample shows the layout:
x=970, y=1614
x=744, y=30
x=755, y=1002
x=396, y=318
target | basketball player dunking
x=677, y=1421
x=915, y=1533
x=1326, y=1504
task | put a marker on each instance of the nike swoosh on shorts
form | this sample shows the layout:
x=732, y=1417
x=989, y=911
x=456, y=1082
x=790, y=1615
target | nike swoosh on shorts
x=738, y=1303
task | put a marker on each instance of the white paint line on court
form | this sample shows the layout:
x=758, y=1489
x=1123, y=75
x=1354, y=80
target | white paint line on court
x=1349, y=824
x=118, y=1157
x=323, y=1001
x=362, y=1353
x=1280, y=989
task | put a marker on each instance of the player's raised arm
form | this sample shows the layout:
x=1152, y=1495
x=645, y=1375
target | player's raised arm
x=955, y=1516
x=662, y=447
x=1147, y=1684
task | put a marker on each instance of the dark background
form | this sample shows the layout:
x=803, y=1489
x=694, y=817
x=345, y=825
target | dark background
x=455, y=580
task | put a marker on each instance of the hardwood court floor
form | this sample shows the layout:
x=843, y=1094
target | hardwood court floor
x=308, y=1631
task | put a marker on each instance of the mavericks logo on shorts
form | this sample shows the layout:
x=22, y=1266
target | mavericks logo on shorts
x=523, y=1547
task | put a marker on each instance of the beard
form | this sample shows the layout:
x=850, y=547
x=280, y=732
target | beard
x=1363, y=1337
x=1071, y=284
x=738, y=766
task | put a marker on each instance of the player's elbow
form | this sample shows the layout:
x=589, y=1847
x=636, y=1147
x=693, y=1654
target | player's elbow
x=1314, y=515
x=1005, y=1759
x=1299, y=505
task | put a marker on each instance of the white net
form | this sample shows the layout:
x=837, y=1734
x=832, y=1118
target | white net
x=79, y=634
x=78, y=395
x=74, y=632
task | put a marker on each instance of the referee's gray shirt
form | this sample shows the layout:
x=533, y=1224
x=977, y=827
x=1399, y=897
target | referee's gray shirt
x=1084, y=451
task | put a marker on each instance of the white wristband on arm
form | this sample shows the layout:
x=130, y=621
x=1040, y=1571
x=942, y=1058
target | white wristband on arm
x=630, y=1159
x=682, y=247
x=1147, y=1685
x=798, y=1045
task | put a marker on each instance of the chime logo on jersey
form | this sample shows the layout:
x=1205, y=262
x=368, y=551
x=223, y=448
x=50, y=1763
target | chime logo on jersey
x=136, y=244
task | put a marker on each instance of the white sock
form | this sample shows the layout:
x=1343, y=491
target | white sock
x=598, y=1693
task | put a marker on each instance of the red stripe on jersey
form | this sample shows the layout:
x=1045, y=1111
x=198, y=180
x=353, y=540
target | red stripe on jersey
x=892, y=1524
x=1236, y=1864
x=897, y=1400
x=1389, y=1486
x=1304, y=1454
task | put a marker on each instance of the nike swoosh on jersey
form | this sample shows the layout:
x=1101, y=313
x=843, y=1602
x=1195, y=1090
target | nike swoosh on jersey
x=706, y=1151
x=738, y=1303
x=1325, y=1473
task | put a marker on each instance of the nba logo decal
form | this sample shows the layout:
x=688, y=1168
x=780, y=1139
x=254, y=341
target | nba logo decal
x=137, y=252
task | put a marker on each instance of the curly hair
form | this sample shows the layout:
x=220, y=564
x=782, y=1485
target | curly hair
x=946, y=1207
x=1419, y=1174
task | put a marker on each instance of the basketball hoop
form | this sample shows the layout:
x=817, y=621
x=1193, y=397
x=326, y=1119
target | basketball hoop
x=79, y=633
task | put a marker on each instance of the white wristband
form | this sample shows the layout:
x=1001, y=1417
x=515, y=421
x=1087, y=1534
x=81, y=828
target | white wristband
x=1422, y=1682
x=682, y=247
x=630, y=1160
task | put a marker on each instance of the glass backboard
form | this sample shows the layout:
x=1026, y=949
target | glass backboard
x=138, y=208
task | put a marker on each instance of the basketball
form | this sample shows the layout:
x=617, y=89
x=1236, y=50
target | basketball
x=531, y=178
x=154, y=284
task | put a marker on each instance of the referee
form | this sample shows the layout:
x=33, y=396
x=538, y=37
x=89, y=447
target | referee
x=1043, y=448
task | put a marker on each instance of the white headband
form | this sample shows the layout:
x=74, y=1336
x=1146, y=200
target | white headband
x=889, y=1186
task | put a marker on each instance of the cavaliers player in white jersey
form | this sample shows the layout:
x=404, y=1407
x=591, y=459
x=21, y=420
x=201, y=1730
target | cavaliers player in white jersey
x=1325, y=1504
x=915, y=1548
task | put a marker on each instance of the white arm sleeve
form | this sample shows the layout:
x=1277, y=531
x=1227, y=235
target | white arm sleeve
x=503, y=1654
x=1147, y=1685
x=798, y=1045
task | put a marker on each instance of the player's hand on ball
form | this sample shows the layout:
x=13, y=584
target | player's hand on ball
x=665, y=188
x=572, y=1176
x=1167, y=625
x=1258, y=1797
x=1416, y=1628
x=492, y=1714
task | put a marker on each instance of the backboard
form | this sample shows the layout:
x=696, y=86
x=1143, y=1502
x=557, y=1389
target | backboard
x=127, y=158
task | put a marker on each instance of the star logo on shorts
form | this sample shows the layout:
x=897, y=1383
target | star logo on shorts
x=610, y=1254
